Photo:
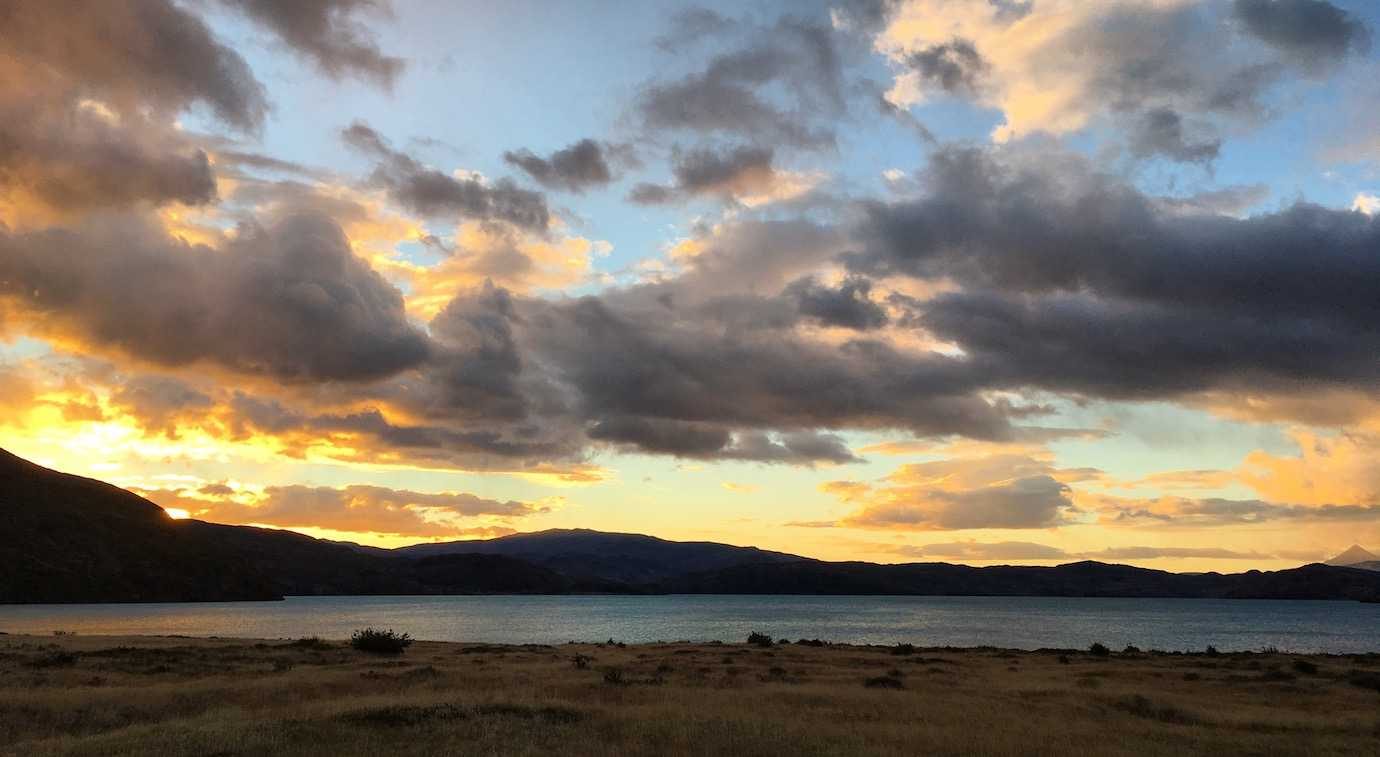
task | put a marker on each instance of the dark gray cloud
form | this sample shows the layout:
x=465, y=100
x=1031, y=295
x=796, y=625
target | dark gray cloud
x=433, y=193
x=327, y=32
x=955, y=66
x=89, y=94
x=726, y=173
x=690, y=26
x=129, y=51
x=848, y=305
x=690, y=439
x=1073, y=280
x=292, y=302
x=783, y=86
x=574, y=168
x=632, y=356
x=1161, y=131
x=1314, y=33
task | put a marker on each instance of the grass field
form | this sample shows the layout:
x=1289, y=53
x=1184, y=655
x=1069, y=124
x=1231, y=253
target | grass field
x=182, y=696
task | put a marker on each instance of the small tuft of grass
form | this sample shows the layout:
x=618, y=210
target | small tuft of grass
x=376, y=641
x=581, y=661
x=884, y=682
x=614, y=676
x=402, y=716
x=1144, y=707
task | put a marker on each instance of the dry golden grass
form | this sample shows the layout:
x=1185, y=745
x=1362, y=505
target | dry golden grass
x=179, y=696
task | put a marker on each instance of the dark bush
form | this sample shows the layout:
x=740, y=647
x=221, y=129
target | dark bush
x=380, y=642
x=1098, y=649
x=903, y=649
x=759, y=639
x=1142, y=707
x=1131, y=649
x=1063, y=659
x=811, y=643
x=1365, y=679
x=312, y=643
x=54, y=660
x=613, y=676
x=1211, y=651
x=884, y=682
x=1305, y=667
x=581, y=661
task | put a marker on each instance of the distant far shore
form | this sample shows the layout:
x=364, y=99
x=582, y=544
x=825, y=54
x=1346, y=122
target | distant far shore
x=382, y=693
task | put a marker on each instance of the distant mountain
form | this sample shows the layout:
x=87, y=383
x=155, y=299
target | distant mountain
x=1080, y=579
x=1354, y=555
x=1367, y=565
x=64, y=538
x=597, y=555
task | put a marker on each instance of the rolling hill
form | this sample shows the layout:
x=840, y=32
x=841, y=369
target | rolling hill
x=65, y=538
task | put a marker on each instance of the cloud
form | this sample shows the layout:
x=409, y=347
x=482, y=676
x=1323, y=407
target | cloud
x=1019, y=550
x=1315, y=33
x=326, y=32
x=431, y=193
x=778, y=88
x=847, y=306
x=1161, y=131
x=576, y=168
x=985, y=551
x=1074, y=281
x=1367, y=203
x=356, y=508
x=742, y=174
x=291, y=302
x=1059, y=66
x=997, y=491
x=954, y=66
x=89, y=97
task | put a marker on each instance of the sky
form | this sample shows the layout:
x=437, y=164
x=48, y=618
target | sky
x=981, y=281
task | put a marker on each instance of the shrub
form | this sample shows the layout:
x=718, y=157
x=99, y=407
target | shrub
x=1305, y=667
x=581, y=661
x=759, y=639
x=884, y=682
x=903, y=649
x=613, y=676
x=1064, y=659
x=1098, y=649
x=57, y=659
x=380, y=642
x=1131, y=649
x=811, y=643
x=1211, y=651
x=1364, y=679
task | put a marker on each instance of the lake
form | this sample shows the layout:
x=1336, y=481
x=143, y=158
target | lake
x=1016, y=622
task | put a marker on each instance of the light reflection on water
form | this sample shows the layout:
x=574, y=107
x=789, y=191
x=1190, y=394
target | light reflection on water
x=1017, y=622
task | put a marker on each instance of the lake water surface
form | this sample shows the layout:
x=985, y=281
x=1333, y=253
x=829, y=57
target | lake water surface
x=1016, y=622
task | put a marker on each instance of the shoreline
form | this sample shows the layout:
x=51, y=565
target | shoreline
x=175, y=695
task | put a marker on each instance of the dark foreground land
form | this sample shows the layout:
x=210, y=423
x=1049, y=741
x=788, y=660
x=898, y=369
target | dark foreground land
x=181, y=696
